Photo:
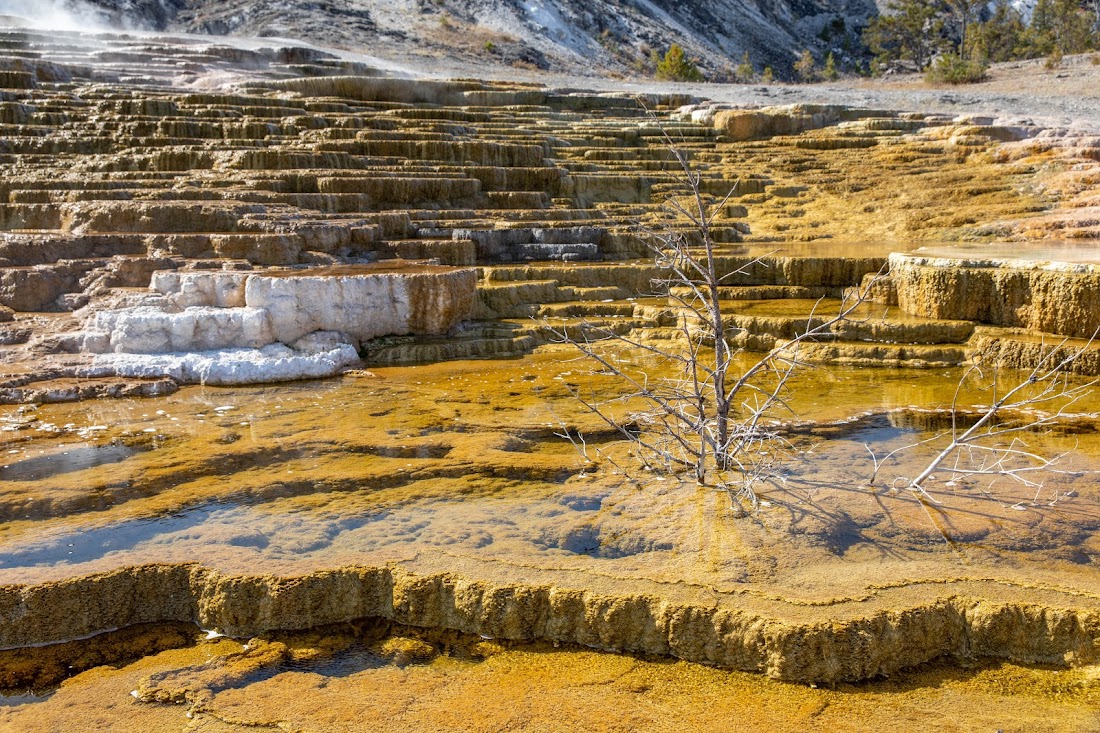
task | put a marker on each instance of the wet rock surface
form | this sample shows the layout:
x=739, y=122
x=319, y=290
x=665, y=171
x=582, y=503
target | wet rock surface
x=1040, y=297
x=455, y=507
x=355, y=676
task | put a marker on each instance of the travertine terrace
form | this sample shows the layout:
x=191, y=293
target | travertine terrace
x=115, y=170
x=178, y=213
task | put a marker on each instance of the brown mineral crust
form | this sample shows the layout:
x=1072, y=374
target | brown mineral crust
x=39, y=668
x=316, y=171
x=1062, y=300
x=220, y=686
x=1014, y=349
x=843, y=640
x=46, y=390
x=740, y=125
x=435, y=305
x=544, y=189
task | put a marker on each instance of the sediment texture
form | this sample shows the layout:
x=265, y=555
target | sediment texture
x=440, y=496
x=1052, y=298
x=303, y=159
x=838, y=646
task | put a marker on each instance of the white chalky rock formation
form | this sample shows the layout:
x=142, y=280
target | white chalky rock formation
x=148, y=330
x=223, y=367
x=362, y=307
x=251, y=327
x=217, y=289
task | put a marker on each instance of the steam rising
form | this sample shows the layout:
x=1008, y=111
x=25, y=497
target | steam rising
x=63, y=15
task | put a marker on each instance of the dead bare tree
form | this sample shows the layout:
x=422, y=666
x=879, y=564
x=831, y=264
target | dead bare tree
x=699, y=406
x=990, y=443
x=691, y=406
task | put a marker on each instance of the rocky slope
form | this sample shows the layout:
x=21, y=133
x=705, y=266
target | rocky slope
x=563, y=35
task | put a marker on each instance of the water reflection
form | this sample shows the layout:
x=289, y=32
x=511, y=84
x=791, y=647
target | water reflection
x=64, y=461
x=421, y=462
x=192, y=533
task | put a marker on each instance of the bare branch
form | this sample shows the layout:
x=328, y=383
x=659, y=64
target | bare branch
x=701, y=412
x=991, y=445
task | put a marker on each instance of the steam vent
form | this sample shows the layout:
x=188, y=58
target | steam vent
x=297, y=357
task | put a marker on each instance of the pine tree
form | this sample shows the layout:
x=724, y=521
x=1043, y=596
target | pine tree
x=806, y=68
x=744, y=72
x=675, y=66
x=910, y=30
x=1060, y=25
x=1002, y=37
x=960, y=18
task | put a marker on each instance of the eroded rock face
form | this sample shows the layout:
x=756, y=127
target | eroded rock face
x=576, y=37
x=1052, y=298
x=305, y=159
x=38, y=288
x=849, y=647
x=364, y=306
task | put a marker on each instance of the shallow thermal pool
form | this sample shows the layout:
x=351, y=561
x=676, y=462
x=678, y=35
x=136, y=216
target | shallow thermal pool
x=1054, y=251
x=463, y=463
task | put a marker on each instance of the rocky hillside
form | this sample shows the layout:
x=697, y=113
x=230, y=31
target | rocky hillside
x=617, y=36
